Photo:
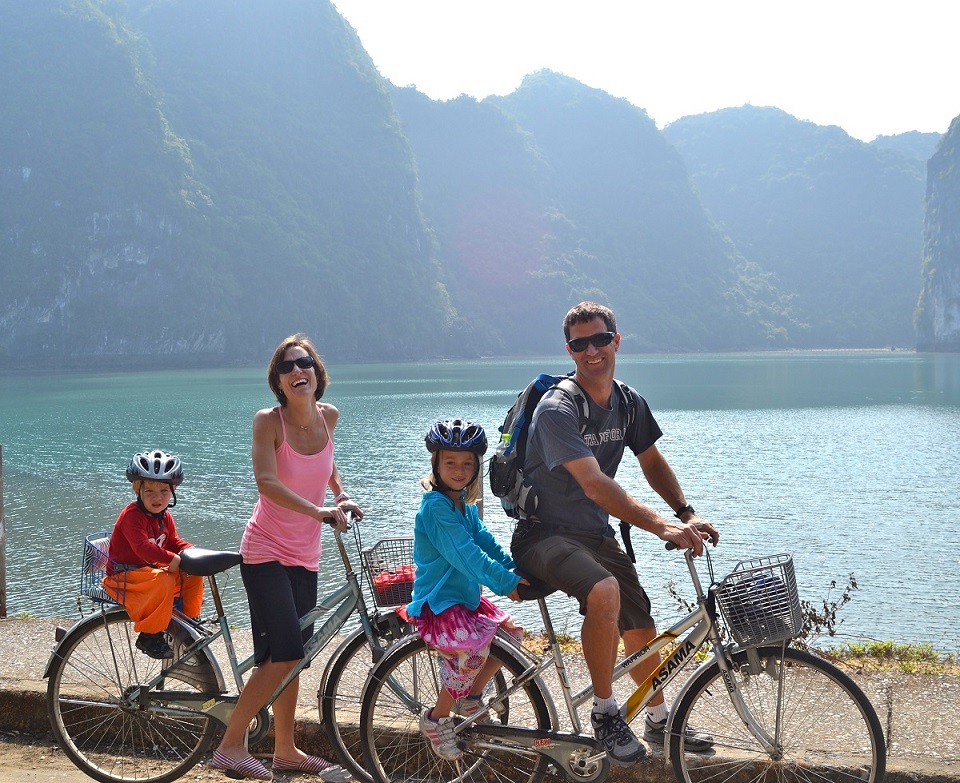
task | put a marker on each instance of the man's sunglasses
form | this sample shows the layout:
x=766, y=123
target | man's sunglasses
x=600, y=340
x=304, y=363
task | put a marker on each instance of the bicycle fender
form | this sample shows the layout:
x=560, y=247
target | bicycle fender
x=200, y=670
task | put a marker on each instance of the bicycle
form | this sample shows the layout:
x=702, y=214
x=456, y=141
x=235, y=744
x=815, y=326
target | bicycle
x=776, y=713
x=121, y=716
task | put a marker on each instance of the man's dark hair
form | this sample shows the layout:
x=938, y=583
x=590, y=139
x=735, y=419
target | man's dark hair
x=587, y=311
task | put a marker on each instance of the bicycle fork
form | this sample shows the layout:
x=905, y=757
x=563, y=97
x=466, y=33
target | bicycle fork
x=755, y=668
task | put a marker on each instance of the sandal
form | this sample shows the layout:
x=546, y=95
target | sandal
x=329, y=773
x=248, y=768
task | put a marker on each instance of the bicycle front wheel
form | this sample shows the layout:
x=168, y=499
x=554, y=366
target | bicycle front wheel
x=342, y=690
x=109, y=740
x=406, y=683
x=820, y=724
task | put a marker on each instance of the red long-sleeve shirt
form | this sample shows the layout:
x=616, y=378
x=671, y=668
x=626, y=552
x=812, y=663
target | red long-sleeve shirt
x=139, y=539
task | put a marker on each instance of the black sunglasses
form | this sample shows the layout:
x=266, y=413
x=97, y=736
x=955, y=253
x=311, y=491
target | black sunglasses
x=600, y=340
x=304, y=363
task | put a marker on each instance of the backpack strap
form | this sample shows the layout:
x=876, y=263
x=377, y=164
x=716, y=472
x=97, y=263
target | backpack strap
x=579, y=396
x=626, y=396
x=573, y=390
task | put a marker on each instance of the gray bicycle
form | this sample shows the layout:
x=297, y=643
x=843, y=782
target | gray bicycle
x=776, y=713
x=122, y=716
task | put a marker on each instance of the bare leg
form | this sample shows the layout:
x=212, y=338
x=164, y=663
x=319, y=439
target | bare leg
x=600, y=636
x=284, y=723
x=260, y=687
x=633, y=641
x=490, y=668
x=443, y=706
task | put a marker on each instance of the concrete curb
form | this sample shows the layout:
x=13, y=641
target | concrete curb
x=25, y=711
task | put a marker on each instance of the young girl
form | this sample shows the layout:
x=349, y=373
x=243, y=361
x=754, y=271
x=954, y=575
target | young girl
x=454, y=554
x=144, y=569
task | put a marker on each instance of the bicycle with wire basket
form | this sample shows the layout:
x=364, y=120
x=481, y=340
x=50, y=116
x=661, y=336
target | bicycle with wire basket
x=120, y=715
x=775, y=713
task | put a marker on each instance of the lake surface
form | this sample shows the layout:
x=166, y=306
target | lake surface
x=851, y=461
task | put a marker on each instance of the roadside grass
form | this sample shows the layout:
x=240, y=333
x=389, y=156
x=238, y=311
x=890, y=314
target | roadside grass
x=878, y=656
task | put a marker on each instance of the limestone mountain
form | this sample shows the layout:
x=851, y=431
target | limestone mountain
x=185, y=183
x=195, y=180
x=835, y=221
x=938, y=313
x=560, y=191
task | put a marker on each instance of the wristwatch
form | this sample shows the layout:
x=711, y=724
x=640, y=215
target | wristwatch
x=683, y=510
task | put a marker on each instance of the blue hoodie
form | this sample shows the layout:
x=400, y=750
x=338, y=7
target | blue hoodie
x=455, y=554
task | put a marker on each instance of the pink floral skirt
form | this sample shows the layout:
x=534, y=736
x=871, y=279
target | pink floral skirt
x=462, y=637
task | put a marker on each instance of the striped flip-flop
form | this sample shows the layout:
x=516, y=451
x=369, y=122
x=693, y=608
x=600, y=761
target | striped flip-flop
x=247, y=768
x=329, y=773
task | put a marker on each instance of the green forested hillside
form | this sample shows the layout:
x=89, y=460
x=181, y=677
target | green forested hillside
x=187, y=182
x=637, y=230
x=835, y=221
x=204, y=178
x=559, y=192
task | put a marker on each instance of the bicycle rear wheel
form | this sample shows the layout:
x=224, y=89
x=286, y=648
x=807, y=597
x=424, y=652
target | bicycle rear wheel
x=405, y=684
x=823, y=726
x=91, y=672
x=342, y=690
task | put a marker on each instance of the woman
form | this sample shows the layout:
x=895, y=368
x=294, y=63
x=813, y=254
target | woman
x=294, y=466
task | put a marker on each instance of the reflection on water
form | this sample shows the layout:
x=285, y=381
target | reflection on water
x=848, y=460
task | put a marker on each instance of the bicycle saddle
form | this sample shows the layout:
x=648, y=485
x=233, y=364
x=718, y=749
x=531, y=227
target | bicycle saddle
x=535, y=590
x=206, y=562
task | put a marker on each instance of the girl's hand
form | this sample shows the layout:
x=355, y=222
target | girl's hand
x=351, y=507
x=515, y=593
x=174, y=565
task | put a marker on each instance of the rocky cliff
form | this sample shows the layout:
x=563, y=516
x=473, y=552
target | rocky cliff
x=938, y=313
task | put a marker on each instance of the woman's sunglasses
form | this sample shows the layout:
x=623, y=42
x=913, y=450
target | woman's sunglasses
x=600, y=340
x=304, y=363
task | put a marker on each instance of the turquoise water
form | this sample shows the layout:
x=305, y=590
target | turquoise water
x=851, y=461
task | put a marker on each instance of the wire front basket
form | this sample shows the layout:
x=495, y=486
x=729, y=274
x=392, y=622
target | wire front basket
x=389, y=567
x=760, y=602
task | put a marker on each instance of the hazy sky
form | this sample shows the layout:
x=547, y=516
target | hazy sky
x=869, y=66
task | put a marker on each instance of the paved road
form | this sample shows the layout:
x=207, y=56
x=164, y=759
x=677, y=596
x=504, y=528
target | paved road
x=39, y=759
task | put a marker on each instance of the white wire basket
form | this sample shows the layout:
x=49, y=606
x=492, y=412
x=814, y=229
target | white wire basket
x=760, y=602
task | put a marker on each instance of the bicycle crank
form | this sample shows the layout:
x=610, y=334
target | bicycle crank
x=577, y=757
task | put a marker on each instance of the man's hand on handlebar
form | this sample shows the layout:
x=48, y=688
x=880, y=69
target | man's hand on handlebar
x=691, y=534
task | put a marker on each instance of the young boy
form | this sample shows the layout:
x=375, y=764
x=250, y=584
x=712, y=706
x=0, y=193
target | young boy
x=143, y=572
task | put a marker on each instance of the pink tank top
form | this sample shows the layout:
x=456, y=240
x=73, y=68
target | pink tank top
x=277, y=533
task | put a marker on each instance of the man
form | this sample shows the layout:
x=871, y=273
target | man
x=570, y=543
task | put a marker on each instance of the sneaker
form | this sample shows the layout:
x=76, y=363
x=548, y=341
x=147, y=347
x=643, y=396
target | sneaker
x=440, y=733
x=617, y=738
x=694, y=740
x=470, y=707
x=155, y=645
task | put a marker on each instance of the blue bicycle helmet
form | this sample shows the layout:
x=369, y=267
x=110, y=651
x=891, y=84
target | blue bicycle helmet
x=457, y=435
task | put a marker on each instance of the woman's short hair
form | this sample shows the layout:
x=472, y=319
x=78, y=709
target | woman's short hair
x=273, y=374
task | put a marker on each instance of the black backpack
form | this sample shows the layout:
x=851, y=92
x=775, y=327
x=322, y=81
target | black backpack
x=518, y=496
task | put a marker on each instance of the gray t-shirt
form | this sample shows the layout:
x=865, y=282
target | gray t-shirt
x=555, y=439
